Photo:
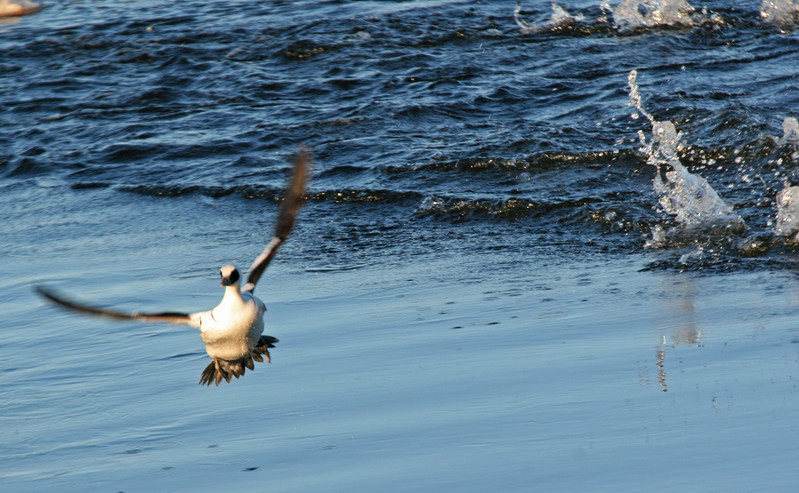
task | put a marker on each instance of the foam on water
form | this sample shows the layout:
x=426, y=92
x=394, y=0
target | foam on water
x=781, y=13
x=685, y=196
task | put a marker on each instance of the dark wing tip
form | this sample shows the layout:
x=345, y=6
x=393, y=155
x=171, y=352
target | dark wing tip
x=75, y=306
x=295, y=193
x=41, y=291
x=293, y=199
x=169, y=317
x=50, y=295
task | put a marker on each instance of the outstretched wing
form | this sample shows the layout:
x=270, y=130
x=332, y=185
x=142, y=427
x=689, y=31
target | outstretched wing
x=192, y=319
x=285, y=220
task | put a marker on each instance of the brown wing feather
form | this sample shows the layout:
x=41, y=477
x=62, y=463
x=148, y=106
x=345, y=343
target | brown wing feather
x=295, y=195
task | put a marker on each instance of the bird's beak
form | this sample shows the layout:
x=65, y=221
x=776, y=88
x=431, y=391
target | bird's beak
x=225, y=282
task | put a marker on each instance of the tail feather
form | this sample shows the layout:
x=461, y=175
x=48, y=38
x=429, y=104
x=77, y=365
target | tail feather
x=220, y=368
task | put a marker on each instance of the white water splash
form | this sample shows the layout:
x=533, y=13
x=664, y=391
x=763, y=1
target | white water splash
x=787, y=223
x=787, y=219
x=790, y=132
x=781, y=13
x=629, y=15
x=10, y=8
x=789, y=142
x=560, y=17
x=687, y=197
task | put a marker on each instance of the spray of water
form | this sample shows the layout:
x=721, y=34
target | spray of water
x=559, y=18
x=629, y=15
x=781, y=13
x=790, y=132
x=786, y=223
x=687, y=197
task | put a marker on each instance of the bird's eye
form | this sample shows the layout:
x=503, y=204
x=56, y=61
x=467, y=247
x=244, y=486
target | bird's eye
x=234, y=276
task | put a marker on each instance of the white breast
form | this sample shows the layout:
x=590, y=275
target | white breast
x=231, y=330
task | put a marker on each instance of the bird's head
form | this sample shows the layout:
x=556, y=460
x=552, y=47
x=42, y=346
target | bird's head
x=230, y=275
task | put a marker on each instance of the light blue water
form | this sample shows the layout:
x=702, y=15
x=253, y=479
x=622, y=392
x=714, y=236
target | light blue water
x=501, y=371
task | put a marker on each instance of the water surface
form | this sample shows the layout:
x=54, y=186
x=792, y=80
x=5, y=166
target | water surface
x=485, y=288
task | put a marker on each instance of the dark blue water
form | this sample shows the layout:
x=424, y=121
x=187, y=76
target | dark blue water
x=467, y=301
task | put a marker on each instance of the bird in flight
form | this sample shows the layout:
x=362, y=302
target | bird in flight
x=232, y=330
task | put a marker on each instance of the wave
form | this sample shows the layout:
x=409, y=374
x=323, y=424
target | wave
x=512, y=208
x=611, y=211
x=433, y=113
